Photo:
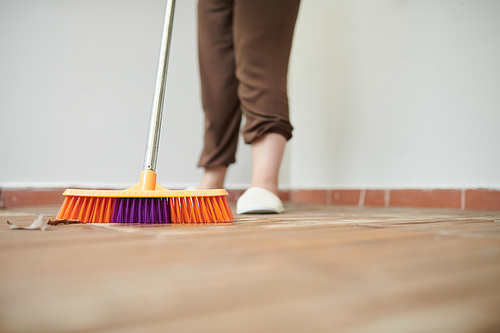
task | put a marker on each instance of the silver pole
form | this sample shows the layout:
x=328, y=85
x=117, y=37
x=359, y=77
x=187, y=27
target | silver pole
x=159, y=93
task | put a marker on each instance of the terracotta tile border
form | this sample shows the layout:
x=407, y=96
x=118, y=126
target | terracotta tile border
x=345, y=197
x=374, y=198
x=310, y=196
x=30, y=197
x=438, y=198
x=482, y=199
x=426, y=198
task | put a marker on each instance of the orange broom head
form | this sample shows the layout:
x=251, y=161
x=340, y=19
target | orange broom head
x=146, y=202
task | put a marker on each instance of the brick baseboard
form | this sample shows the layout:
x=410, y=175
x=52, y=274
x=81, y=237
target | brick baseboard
x=461, y=199
x=10, y=197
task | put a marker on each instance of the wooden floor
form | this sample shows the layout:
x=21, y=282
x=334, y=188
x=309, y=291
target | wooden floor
x=312, y=269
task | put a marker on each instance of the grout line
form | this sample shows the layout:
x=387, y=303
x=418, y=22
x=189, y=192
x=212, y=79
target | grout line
x=462, y=200
x=387, y=198
x=362, y=195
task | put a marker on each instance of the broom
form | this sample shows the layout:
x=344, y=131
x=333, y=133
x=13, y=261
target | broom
x=147, y=201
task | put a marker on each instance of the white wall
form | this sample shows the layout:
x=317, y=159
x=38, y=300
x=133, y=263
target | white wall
x=76, y=85
x=384, y=94
x=396, y=94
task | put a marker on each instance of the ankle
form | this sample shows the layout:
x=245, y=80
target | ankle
x=270, y=186
x=213, y=178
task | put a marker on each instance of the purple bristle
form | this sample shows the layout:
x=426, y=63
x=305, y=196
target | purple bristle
x=141, y=210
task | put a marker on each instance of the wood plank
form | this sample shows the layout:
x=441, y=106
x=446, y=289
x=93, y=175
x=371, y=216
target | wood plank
x=315, y=268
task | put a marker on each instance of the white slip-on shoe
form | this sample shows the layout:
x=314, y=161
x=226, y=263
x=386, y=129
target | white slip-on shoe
x=258, y=200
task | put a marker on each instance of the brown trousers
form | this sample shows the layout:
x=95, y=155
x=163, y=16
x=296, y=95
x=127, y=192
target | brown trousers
x=244, y=48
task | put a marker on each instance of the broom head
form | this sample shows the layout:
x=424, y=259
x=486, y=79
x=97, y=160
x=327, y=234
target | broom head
x=146, y=202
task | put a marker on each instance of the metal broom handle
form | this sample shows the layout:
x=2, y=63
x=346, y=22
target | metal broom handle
x=159, y=93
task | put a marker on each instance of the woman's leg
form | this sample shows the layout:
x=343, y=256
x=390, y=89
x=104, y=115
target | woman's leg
x=244, y=51
x=218, y=85
x=262, y=196
x=263, y=33
x=267, y=152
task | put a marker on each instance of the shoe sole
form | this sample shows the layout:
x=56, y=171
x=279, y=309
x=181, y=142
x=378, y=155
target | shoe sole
x=257, y=210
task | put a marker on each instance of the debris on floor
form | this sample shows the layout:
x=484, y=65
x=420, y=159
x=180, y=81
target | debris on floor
x=63, y=221
x=38, y=223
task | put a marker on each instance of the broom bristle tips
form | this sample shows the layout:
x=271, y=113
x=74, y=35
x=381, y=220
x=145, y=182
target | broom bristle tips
x=146, y=210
